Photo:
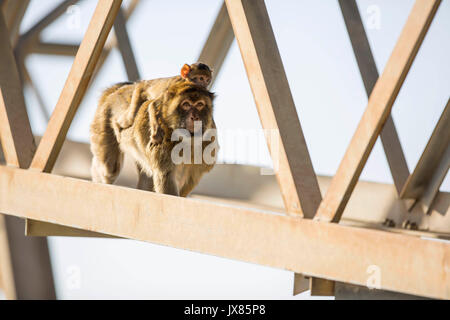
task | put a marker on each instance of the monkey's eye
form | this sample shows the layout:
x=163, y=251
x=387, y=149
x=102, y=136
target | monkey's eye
x=201, y=79
x=199, y=105
x=186, y=105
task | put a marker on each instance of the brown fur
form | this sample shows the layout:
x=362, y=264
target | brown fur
x=109, y=141
x=197, y=73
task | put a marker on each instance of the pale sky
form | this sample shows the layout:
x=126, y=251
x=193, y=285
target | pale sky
x=328, y=93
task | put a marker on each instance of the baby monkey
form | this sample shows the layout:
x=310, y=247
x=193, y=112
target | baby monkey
x=197, y=73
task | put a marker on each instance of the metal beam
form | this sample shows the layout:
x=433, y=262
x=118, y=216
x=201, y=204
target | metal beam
x=369, y=74
x=432, y=167
x=218, y=42
x=26, y=269
x=300, y=245
x=378, y=109
x=276, y=108
x=76, y=84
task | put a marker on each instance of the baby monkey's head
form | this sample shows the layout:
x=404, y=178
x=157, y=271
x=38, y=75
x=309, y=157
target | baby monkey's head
x=198, y=73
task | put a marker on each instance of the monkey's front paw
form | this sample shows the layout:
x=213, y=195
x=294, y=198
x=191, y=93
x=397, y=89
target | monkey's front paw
x=157, y=138
x=155, y=141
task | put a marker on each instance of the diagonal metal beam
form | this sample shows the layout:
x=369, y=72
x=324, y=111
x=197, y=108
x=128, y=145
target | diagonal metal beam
x=378, y=109
x=218, y=42
x=14, y=13
x=423, y=184
x=15, y=131
x=122, y=40
x=124, y=45
x=277, y=112
x=113, y=41
x=265, y=71
x=369, y=74
x=35, y=30
x=25, y=263
x=76, y=84
x=389, y=137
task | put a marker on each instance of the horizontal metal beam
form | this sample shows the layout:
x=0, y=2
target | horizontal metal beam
x=245, y=186
x=44, y=229
x=62, y=49
x=300, y=245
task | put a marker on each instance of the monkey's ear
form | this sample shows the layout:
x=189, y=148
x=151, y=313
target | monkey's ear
x=185, y=71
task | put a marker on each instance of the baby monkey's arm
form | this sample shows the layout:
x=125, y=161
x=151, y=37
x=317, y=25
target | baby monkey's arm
x=127, y=118
x=157, y=132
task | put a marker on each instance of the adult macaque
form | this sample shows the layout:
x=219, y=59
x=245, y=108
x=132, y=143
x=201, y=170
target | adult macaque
x=197, y=73
x=183, y=108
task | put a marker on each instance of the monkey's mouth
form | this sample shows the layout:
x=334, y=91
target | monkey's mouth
x=194, y=132
x=195, y=127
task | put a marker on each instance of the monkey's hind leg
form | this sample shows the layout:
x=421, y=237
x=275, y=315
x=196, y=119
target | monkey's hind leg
x=106, y=172
x=108, y=158
x=165, y=182
x=194, y=175
x=145, y=181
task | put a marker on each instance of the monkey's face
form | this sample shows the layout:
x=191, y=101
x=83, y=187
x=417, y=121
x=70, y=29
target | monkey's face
x=202, y=80
x=192, y=110
x=197, y=73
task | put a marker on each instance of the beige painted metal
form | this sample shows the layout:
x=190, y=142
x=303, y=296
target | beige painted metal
x=296, y=177
x=6, y=270
x=246, y=186
x=124, y=45
x=423, y=184
x=76, y=84
x=25, y=266
x=31, y=35
x=301, y=283
x=276, y=109
x=369, y=74
x=300, y=245
x=14, y=12
x=15, y=132
x=378, y=109
x=55, y=48
x=218, y=43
